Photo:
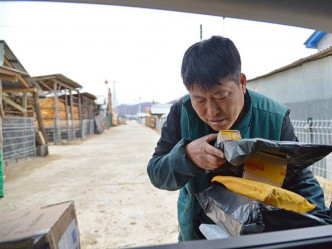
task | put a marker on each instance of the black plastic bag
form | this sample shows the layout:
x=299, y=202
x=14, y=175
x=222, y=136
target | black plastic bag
x=242, y=215
x=298, y=155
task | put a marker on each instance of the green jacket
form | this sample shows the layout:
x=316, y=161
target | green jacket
x=264, y=119
x=172, y=171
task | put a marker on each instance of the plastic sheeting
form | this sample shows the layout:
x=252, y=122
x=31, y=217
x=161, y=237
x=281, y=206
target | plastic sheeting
x=241, y=215
x=298, y=155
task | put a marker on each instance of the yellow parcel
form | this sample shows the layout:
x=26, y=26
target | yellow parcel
x=266, y=193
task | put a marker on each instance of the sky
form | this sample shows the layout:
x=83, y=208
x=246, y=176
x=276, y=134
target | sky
x=137, y=51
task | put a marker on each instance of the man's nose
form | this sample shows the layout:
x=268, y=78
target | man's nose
x=213, y=108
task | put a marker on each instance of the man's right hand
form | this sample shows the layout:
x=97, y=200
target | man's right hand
x=204, y=155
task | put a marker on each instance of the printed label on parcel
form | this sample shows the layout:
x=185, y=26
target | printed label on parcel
x=265, y=168
x=228, y=135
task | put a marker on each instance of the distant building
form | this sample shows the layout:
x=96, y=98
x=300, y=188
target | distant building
x=100, y=100
x=160, y=109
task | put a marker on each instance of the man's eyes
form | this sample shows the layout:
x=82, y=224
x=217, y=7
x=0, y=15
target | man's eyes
x=216, y=98
x=220, y=98
x=199, y=101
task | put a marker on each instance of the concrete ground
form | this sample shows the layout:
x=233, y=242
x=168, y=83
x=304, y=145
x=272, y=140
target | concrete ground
x=105, y=175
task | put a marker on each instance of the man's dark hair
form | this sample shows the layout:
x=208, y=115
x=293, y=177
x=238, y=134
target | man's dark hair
x=208, y=62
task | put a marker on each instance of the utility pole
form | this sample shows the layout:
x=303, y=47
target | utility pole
x=114, y=97
x=109, y=109
x=200, y=32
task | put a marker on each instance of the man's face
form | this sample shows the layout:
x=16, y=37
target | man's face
x=221, y=106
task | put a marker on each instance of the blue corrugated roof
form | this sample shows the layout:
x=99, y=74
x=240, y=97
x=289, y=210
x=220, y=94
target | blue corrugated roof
x=314, y=39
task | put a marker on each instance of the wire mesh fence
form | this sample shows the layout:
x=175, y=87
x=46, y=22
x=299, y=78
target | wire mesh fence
x=88, y=127
x=318, y=132
x=102, y=123
x=61, y=133
x=18, y=138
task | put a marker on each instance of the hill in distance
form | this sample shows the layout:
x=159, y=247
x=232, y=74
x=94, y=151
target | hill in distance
x=125, y=109
x=133, y=109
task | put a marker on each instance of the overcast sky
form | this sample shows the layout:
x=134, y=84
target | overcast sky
x=139, y=49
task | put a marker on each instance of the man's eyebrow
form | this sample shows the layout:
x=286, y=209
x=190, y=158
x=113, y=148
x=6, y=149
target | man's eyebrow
x=220, y=91
x=196, y=96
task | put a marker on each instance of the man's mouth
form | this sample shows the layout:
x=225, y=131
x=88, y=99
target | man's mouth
x=218, y=122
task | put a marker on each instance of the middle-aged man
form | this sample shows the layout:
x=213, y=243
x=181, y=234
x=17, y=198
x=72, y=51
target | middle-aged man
x=218, y=100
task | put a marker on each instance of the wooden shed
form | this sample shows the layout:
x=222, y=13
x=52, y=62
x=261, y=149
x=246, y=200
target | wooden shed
x=88, y=105
x=20, y=116
x=88, y=112
x=61, y=109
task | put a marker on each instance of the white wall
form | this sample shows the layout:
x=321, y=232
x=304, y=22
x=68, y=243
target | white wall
x=325, y=42
x=305, y=89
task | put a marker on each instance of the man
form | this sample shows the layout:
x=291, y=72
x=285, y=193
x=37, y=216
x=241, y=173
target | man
x=185, y=157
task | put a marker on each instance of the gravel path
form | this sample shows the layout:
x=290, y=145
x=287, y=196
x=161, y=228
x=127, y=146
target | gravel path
x=105, y=175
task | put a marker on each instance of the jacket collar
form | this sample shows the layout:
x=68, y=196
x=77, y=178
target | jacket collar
x=244, y=124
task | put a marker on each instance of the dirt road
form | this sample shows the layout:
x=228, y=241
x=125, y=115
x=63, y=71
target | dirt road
x=105, y=175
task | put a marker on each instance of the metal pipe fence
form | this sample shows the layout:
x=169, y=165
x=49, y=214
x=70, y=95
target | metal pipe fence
x=318, y=132
x=18, y=139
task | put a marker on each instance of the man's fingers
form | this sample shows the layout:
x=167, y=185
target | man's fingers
x=211, y=149
x=211, y=137
x=204, y=155
x=214, y=151
x=215, y=160
x=214, y=157
x=213, y=166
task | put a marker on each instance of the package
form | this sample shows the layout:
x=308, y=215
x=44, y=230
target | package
x=269, y=194
x=242, y=215
x=227, y=135
x=297, y=155
x=211, y=231
x=265, y=168
x=50, y=227
x=261, y=166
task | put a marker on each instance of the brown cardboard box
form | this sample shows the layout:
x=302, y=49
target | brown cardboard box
x=50, y=227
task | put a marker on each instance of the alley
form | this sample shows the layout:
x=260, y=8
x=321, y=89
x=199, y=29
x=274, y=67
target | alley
x=105, y=175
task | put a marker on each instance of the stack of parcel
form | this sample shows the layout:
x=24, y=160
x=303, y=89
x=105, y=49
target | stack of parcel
x=256, y=202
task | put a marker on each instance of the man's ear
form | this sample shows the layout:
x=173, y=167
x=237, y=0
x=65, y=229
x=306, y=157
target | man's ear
x=243, y=82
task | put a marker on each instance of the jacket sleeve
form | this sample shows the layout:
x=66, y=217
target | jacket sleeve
x=172, y=171
x=287, y=132
x=168, y=168
x=304, y=183
x=308, y=187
